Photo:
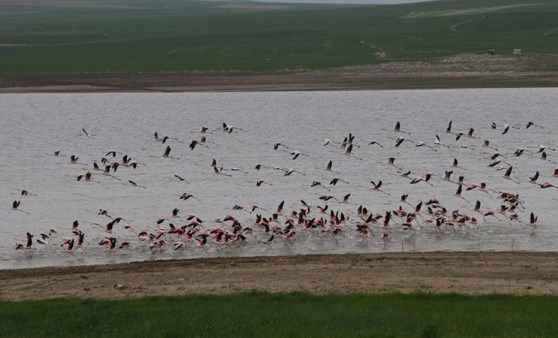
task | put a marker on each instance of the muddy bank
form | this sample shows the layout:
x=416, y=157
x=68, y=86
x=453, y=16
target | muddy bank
x=443, y=272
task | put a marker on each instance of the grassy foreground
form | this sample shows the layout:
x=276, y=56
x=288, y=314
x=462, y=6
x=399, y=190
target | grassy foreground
x=285, y=315
x=98, y=36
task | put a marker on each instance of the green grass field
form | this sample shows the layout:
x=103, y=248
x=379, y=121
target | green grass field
x=285, y=315
x=98, y=36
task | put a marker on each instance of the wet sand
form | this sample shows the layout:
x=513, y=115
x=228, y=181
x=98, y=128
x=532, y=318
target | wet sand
x=518, y=273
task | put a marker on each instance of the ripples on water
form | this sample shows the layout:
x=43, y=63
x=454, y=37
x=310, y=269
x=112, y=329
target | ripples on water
x=34, y=126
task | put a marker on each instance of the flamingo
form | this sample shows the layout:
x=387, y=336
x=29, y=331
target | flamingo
x=290, y=171
x=228, y=128
x=260, y=182
x=437, y=141
x=86, y=176
x=399, y=141
x=69, y=243
x=458, y=193
x=188, y=195
x=398, y=128
x=507, y=174
x=277, y=145
x=372, y=142
x=349, y=150
x=194, y=143
x=136, y=184
x=335, y=180
x=219, y=171
x=16, y=204
x=377, y=186
x=533, y=220
x=167, y=151
x=86, y=133
x=295, y=154
x=534, y=178
x=180, y=178
x=448, y=129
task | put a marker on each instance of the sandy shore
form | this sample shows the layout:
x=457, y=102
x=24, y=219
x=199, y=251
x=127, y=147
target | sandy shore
x=442, y=272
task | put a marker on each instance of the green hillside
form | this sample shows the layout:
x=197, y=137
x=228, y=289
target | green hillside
x=97, y=36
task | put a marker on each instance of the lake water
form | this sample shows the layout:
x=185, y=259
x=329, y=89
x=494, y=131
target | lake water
x=34, y=126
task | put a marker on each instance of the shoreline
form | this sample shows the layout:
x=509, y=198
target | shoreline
x=516, y=273
x=340, y=79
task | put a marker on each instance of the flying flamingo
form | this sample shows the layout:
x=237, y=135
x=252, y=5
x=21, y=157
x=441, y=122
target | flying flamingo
x=295, y=154
x=219, y=171
x=166, y=154
x=188, y=195
x=507, y=174
x=534, y=178
x=260, y=182
x=458, y=193
x=318, y=183
x=530, y=124
x=391, y=161
x=15, y=207
x=424, y=144
x=86, y=176
x=348, y=151
x=290, y=171
x=533, y=220
x=377, y=186
x=69, y=243
x=26, y=193
x=180, y=178
x=372, y=142
x=437, y=141
x=335, y=180
x=86, y=133
x=547, y=185
x=136, y=184
x=398, y=128
x=448, y=129
x=194, y=143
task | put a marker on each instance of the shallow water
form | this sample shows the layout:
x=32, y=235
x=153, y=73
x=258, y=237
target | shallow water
x=34, y=126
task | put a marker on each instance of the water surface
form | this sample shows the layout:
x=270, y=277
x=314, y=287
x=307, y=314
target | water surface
x=34, y=126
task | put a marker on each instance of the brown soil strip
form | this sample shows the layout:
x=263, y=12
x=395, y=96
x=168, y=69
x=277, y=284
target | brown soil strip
x=303, y=80
x=442, y=272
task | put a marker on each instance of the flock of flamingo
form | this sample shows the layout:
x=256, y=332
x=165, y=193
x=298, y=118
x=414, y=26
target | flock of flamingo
x=334, y=206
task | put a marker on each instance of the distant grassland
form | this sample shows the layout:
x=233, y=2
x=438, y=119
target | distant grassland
x=95, y=36
x=285, y=315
